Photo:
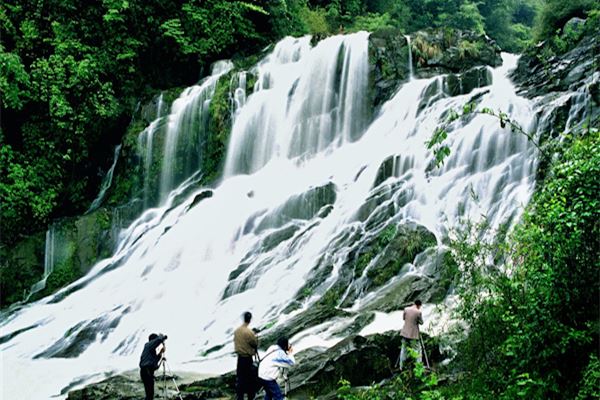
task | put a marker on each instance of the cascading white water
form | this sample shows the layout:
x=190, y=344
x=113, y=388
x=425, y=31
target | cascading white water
x=189, y=113
x=581, y=101
x=49, y=263
x=238, y=98
x=306, y=128
x=106, y=182
x=304, y=102
x=411, y=73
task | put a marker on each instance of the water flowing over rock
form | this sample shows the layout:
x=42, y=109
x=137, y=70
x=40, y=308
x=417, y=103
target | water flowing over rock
x=317, y=188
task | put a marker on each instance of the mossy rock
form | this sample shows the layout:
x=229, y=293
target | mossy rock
x=452, y=50
x=406, y=244
x=388, y=60
x=314, y=315
x=21, y=266
x=361, y=360
x=303, y=206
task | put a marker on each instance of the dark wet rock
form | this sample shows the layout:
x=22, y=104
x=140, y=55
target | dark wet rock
x=458, y=84
x=407, y=243
x=81, y=336
x=431, y=286
x=537, y=74
x=388, y=58
x=9, y=336
x=356, y=326
x=22, y=265
x=378, y=207
x=566, y=89
x=115, y=388
x=128, y=386
x=383, y=256
x=303, y=206
x=360, y=360
x=462, y=54
x=450, y=50
x=314, y=315
x=205, y=194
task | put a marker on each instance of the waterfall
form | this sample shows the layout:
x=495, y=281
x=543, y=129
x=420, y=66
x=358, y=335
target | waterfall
x=106, y=182
x=48, y=262
x=289, y=116
x=189, y=113
x=410, y=59
x=238, y=99
x=303, y=187
x=580, y=102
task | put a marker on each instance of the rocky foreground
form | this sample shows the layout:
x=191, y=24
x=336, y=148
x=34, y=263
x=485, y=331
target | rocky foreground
x=360, y=360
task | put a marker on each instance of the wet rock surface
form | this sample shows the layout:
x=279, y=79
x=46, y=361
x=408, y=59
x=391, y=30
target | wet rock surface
x=537, y=75
x=361, y=360
x=434, y=51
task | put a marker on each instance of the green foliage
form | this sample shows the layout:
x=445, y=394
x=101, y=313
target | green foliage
x=415, y=383
x=509, y=22
x=61, y=276
x=436, y=144
x=14, y=80
x=589, y=387
x=315, y=21
x=533, y=320
x=372, y=22
x=555, y=13
x=71, y=76
x=24, y=190
x=466, y=16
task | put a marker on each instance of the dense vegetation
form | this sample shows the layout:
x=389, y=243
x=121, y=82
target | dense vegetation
x=73, y=72
x=535, y=330
x=530, y=299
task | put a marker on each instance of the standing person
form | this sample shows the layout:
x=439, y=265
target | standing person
x=245, y=343
x=413, y=317
x=150, y=361
x=278, y=356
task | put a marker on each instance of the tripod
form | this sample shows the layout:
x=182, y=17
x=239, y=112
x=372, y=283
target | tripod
x=423, y=350
x=165, y=366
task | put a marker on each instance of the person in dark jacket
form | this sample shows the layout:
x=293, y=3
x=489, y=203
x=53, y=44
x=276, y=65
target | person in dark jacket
x=245, y=344
x=150, y=361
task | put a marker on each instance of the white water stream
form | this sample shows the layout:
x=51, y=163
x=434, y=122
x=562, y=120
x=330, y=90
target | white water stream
x=306, y=126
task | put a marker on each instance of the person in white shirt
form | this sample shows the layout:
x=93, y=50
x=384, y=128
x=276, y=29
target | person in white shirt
x=278, y=356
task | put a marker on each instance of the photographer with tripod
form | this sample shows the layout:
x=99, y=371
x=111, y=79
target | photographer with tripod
x=411, y=337
x=150, y=361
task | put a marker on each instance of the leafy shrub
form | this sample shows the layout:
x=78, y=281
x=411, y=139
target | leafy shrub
x=535, y=318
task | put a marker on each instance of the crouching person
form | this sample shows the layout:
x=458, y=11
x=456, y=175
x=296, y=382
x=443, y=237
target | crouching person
x=279, y=356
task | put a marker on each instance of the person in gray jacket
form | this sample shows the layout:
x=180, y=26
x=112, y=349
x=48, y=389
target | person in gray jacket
x=413, y=317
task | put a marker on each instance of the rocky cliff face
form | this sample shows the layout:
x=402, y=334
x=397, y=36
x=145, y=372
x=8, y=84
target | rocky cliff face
x=432, y=52
x=567, y=89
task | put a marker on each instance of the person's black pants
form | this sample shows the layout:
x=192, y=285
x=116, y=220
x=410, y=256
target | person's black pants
x=246, y=381
x=147, y=375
